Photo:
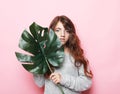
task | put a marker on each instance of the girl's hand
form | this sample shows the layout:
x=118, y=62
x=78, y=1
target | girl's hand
x=55, y=77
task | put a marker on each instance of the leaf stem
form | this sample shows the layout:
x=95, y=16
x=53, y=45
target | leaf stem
x=49, y=66
x=60, y=88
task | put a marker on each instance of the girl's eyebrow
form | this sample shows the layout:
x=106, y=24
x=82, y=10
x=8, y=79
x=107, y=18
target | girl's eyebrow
x=58, y=28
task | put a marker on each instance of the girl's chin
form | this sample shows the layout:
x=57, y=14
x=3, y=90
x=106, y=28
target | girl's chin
x=62, y=42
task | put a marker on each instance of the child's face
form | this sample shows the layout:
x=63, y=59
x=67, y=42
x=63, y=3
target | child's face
x=61, y=33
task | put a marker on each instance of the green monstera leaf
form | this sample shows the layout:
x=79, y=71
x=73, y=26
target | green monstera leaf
x=44, y=47
x=45, y=50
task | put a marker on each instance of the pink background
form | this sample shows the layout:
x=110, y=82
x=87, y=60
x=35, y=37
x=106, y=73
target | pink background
x=98, y=26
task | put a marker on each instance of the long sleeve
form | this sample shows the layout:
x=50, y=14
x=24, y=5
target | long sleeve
x=71, y=82
x=79, y=83
x=39, y=80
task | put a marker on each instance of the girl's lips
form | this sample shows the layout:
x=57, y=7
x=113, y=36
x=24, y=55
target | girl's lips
x=62, y=39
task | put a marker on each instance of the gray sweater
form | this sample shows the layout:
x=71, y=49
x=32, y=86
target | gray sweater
x=73, y=79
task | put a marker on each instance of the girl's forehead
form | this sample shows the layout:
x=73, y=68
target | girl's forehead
x=59, y=25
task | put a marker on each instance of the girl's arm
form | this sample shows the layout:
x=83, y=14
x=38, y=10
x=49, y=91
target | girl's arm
x=39, y=80
x=80, y=83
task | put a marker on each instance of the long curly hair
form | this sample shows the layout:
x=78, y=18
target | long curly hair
x=73, y=43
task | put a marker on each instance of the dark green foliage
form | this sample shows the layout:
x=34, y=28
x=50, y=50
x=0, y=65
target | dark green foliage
x=45, y=48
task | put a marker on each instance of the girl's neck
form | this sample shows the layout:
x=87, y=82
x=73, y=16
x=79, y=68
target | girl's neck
x=66, y=50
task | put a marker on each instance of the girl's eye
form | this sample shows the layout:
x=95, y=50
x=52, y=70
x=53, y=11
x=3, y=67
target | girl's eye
x=57, y=30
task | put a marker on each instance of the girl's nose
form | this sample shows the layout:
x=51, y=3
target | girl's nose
x=63, y=33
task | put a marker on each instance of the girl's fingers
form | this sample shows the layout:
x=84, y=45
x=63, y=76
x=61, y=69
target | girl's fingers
x=52, y=75
x=55, y=81
x=55, y=77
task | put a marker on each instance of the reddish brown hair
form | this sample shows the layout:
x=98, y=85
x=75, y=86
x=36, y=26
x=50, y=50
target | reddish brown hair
x=73, y=43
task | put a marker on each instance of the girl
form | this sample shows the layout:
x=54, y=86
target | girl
x=74, y=75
